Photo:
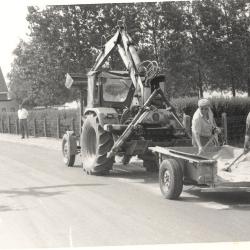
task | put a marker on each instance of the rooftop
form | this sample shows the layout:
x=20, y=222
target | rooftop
x=3, y=86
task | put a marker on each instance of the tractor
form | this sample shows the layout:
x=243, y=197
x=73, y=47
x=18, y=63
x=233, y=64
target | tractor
x=123, y=113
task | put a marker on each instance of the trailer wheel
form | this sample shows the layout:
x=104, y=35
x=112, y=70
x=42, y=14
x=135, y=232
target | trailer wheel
x=95, y=144
x=171, y=179
x=68, y=159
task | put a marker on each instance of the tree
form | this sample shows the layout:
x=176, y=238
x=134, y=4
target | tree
x=199, y=45
x=223, y=29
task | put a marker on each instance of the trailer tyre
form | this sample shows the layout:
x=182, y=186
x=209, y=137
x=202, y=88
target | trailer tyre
x=68, y=159
x=171, y=179
x=95, y=144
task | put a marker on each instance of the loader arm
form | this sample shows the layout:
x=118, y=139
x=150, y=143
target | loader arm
x=129, y=56
x=106, y=50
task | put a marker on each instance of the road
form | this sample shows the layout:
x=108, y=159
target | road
x=45, y=204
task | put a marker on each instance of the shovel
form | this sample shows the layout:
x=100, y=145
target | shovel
x=210, y=140
x=229, y=168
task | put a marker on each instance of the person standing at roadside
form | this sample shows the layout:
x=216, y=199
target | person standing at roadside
x=22, y=116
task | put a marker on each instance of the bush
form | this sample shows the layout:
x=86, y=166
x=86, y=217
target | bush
x=235, y=108
x=238, y=106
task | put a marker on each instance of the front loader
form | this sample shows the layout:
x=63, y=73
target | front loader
x=125, y=112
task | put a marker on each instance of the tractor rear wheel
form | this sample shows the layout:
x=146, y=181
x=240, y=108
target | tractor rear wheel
x=171, y=179
x=95, y=144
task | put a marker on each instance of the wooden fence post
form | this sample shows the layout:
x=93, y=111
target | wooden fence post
x=8, y=123
x=45, y=127
x=2, y=125
x=58, y=127
x=187, y=123
x=34, y=124
x=224, y=125
x=17, y=126
x=73, y=124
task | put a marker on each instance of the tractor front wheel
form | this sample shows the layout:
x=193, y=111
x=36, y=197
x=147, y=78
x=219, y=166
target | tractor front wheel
x=95, y=144
x=68, y=159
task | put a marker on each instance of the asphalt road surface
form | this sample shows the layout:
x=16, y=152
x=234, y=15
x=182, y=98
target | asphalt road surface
x=45, y=204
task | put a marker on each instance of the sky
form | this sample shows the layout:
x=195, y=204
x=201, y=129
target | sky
x=13, y=24
x=13, y=27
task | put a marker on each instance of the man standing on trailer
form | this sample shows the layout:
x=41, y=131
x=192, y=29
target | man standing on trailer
x=22, y=116
x=204, y=126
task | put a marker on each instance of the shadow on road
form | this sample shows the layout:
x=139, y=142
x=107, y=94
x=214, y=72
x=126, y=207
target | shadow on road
x=134, y=173
x=4, y=208
x=38, y=191
x=228, y=200
x=231, y=200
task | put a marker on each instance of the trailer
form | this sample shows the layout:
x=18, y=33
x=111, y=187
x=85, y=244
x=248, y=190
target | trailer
x=183, y=166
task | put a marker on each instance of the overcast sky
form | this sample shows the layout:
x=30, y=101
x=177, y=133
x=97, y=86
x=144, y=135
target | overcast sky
x=13, y=24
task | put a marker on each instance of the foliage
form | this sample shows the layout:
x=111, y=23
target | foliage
x=200, y=45
x=236, y=109
x=238, y=106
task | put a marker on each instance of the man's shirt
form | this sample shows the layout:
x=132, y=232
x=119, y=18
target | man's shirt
x=201, y=125
x=22, y=114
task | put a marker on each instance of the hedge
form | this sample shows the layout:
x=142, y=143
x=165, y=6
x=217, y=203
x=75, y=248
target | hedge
x=238, y=106
x=68, y=119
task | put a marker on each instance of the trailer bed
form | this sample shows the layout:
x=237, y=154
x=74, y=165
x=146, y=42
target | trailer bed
x=237, y=180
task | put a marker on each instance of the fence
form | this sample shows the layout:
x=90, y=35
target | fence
x=234, y=126
x=55, y=127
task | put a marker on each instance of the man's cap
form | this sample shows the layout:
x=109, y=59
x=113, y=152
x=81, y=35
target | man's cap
x=203, y=102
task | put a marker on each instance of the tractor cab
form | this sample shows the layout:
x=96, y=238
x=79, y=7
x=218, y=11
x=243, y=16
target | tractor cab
x=113, y=89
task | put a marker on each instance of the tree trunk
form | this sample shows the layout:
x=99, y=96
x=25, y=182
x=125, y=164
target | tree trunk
x=155, y=44
x=248, y=86
x=200, y=83
x=233, y=84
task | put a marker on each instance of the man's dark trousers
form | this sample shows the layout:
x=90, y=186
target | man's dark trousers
x=24, y=127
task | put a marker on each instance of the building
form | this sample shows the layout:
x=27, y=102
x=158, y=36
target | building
x=6, y=104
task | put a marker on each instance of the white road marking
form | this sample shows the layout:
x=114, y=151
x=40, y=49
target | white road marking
x=213, y=205
x=70, y=237
x=41, y=203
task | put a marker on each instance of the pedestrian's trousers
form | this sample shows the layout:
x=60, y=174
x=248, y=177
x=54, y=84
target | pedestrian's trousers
x=24, y=127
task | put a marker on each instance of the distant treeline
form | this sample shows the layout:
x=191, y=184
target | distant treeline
x=199, y=45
